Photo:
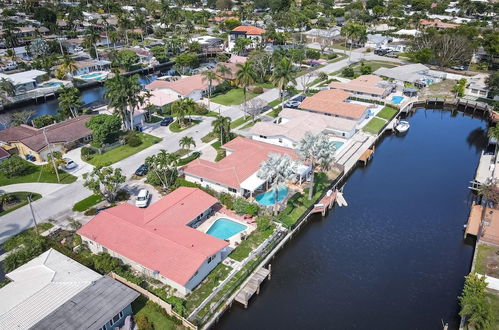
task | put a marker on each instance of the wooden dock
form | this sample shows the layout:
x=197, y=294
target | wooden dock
x=253, y=286
x=366, y=156
x=324, y=204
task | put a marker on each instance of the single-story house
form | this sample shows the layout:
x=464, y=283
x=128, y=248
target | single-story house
x=412, y=73
x=90, y=65
x=377, y=41
x=160, y=241
x=72, y=44
x=322, y=36
x=236, y=173
x=369, y=86
x=160, y=97
x=335, y=103
x=246, y=31
x=194, y=87
x=209, y=42
x=291, y=126
x=18, y=51
x=53, y=291
x=27, y=140
x=397, y=46
x=436, y=23
x=24, y=81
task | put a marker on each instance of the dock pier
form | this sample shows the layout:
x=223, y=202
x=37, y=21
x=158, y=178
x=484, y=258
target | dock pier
x=253, y=286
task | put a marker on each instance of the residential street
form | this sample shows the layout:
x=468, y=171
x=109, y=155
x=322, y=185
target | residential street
x=58, y=200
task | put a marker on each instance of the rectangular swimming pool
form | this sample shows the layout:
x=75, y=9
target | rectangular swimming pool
x=224, y=228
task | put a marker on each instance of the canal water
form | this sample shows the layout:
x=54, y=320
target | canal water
x=395, y=257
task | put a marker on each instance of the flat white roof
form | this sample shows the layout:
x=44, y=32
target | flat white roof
x=23, y=77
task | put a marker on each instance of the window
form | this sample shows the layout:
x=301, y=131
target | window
x=280, y=140
x=201, y=179
x=232, y=190
x=103, y=328
x=115, y=318
x=210, y=259
x=120, y=314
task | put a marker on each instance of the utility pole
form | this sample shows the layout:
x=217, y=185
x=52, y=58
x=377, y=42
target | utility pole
x=33, y=214
x=51, y=156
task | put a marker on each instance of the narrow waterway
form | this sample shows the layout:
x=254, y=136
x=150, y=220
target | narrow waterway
x=395, y=257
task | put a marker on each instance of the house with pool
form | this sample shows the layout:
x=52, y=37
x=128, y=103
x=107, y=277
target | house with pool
x=24, y=81
x=366, y=86
x=194, y=87
x=291, y=126
x=177, y=240
x=237, y=172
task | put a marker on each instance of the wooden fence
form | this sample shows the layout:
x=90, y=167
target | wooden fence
x=166, y=306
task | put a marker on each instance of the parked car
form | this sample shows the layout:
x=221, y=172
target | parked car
x=142, y=198
x=459, y=68
x=142, y=170
x=292, y=104
x=70, y=164
x=78, y=49
x=380, y=51
x=299, y=98
x=392, y=54
x=166, y=121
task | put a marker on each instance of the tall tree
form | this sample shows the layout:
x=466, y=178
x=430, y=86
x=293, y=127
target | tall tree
x=475, y=307
x=209, y=76
x=245, y=77
x=105, y=181
x=69, y=102
x=186, y=142
x=163, y=166
x=221, y=125
x=316, y=150
x=7, y=90
x=283, y=75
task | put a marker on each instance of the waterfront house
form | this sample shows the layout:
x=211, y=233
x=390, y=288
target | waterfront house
x=194, y=87
x=90, y=65
x=24, y=81
x=255, y=34
x=477, y=87
x=416, y=73
x=160, y=241
x=26, y=140
x=368, y=86
x=291, y=126
x=335, y=103
x=53, y=291
x=236, y=173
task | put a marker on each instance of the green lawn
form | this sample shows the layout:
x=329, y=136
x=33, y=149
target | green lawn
x=250, y=124
x=374, y=126
x=27, y=234
x=21, y=198
x=266, y=85
x=175, y=127
x=154, y=313
x=188, y=159
x=274, y=103
x=87, y=203
x=250, y=243
x=124, y=151
x=154, y=119
x=203, y=290
x=494, y=302
x=209, y=137
x=37, y=174
x=238, y=122
x=387, y=113
x=233, y=97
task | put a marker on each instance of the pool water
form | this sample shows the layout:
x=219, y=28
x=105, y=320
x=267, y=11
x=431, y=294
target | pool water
x=225, y=228
x=397, y=99
x=95, y=75
x=51, y=84
x=268, y=197
x=338, y=144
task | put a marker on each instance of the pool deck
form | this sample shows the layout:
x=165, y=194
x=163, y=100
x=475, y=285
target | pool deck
x=235, y=240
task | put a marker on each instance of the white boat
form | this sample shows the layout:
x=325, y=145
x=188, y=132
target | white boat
x=402, y=126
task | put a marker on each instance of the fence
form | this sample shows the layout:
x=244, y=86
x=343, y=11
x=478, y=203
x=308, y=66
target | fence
x=166, y=306
x=107, y=147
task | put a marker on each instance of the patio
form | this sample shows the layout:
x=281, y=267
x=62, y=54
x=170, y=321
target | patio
x=222, y=213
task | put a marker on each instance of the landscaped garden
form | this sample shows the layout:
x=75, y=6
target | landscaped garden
x=17, y=170
x=12, y=201
x=176, y=128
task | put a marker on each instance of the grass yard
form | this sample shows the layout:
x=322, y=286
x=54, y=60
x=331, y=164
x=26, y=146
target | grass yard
x=175, y=127
x=21, y=199
x=250, y=243
x=487, y=254
x=209, y=137
x=238, y=122
x=274, y=103
x=153, y=119
x=387, y=113
x=203, y=290
x=250, y=124
x=23, y=236
x=37, y=174
x=374, y=126
x=233, y=97
x=87, y=203
x=155, y=314
x=266, y=85
x=115, y=155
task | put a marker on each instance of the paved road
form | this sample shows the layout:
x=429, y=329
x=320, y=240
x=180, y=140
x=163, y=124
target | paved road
x=58, y=200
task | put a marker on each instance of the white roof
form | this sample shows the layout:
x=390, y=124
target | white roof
x=408, y=72
x=39, y=287
x=405, y=32
x=252, y=182
x=23, y=77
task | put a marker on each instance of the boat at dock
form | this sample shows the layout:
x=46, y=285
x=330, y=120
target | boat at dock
x=402, y=126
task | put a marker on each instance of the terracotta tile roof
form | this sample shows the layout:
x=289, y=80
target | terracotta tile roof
x=158, y=237
x=249, y=30
x=244, y=161
x=437, y=23
x=66, y=131
x=184, y=86
x=332, y=101
x=368, y=84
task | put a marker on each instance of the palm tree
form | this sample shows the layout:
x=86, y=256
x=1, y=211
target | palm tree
x=316, y=150
x=353, y=32
x=164, y=166
x=222, y=125
x=282, y=76
x=223, y=71
x=68, y=65
x=140, y=22
x=190, y=107
x=7, y=88
x=209, y=76
x=124, y=24
x=245, y=77
x=91, y=39
x=180, y=111
x=276, y=170
x=186, y=142
x=69, y=102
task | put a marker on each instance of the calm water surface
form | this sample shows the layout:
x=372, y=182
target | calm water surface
x=395, y=257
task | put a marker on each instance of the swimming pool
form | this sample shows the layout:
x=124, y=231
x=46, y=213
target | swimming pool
x=338, y=144
x=51, y=84
x=95, y=76
x=268, y=197
x=397, y=99
x=224, y=228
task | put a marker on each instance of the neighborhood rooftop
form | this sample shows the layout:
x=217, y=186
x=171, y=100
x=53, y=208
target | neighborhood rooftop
x=183, y=86
x=366, y=84
x=334, y=102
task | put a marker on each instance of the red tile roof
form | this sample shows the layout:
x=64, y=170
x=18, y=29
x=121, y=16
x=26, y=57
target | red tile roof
x=332, y=101
x=249, y=30
x=66, y=131
x=184, y=86
x=437, y=23
x=244, y=161
x=364, y=84
x=158, y=237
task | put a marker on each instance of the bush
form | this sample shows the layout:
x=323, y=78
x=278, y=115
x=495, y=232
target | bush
x=132, y=139
x=15, y=166
x=227, y=200
x=332, y=56
x=87, y=153
x=43, y=121
x=143, y=322
x=32, y=248
x=258, y=90
x=276, y=111
x=188, y=159
x=48, y=168
x=122, y=195
x=348, y=72
x=90, y=211
x=313, y=54
x=242, y=206
x=263, y=223
x=366, y=69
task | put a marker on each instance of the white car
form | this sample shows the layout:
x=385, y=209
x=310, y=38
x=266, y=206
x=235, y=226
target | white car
x=70, y=164
x=78, y=49
x=142, y=198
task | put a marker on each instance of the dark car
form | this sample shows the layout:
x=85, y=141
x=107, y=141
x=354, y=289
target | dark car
x=299, y=98
x=142, y=170
x=380, y=51
x=166, y=121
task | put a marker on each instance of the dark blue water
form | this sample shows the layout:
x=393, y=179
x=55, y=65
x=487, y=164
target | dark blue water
x=395, y=257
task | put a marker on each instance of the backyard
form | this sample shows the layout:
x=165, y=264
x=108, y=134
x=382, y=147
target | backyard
x=115, y=155
x=375, y=125
x=234, y=96
x=155, y=314
x=487, y=260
